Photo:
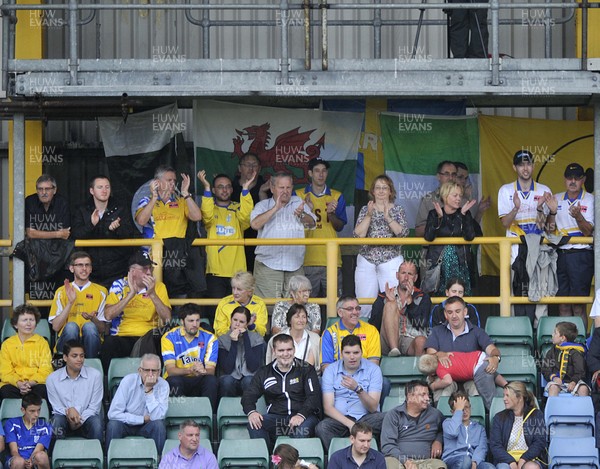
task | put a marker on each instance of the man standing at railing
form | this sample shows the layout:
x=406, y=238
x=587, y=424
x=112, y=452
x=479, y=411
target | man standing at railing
x=164, y=215
x=329, y=206
x=281, y=216
x=524, y=207
x=223, y=219
x=575, y=217
x=103, y=217
x=468, y=32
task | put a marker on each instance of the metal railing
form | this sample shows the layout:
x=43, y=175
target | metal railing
x=283, y=10
x=505, y=299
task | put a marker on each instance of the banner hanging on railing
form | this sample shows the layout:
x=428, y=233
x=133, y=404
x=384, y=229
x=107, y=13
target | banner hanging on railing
x=283, y=139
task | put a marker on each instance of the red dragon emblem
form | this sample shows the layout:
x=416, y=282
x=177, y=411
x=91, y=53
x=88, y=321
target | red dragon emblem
x=289, y=153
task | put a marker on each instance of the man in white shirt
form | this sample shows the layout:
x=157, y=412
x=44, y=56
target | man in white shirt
x=281, y=216
x=575, y=217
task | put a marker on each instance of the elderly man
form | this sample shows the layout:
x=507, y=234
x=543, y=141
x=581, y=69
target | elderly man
x=135, y=305
x=281, y=216
x=575, y=217
x=351, y=393
x=165, y=215
x=292, y=393
x=189, y=454
x=460, y=335
x=411, y=437
x=140, y=405
x=405, y=315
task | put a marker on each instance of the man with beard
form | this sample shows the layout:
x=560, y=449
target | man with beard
x=521, y=211
x=103, y=217
x=405, y=315
x=224, y=219
x=281, y=216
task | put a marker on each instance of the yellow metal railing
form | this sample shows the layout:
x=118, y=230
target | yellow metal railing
x=505, y=300
x=5, y=243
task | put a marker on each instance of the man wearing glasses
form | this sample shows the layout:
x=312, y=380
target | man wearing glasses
x=76, y=305
x=348, y=311
x=140, y=405
x=224, y=219
x=575, y=217
x=47, y=214
x=135, y=305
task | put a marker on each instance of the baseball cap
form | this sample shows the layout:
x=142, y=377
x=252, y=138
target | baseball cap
x=315, y=161
x=574, y=170
x=140, y=258
x=522, y=156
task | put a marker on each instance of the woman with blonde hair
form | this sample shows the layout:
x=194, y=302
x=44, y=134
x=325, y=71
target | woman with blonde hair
x=377, y=265
x=518, y=436
x=242, y=286
x=450, y=219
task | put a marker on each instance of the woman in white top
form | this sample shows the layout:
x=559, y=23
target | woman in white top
x=306, y=342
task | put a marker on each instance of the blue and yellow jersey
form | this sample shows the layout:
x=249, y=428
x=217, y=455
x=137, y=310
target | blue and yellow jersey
x=331, y=341
x=317, y=255
x=176, y=350
x=169, y=219
x=139, y=316
x=227, y=223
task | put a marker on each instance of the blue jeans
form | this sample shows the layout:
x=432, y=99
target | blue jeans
x=89, y=335
x=274, y=426
x=231, y=387
x=464, y=462
x=154, y=429
x=92, y=428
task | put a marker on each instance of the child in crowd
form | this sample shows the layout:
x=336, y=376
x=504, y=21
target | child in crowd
x=564, y=364
x=28, y=438
x=463, y=367
x=465, y=441
x=287, y=457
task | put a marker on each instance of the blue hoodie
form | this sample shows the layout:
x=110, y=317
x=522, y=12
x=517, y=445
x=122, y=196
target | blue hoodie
x=460, y=440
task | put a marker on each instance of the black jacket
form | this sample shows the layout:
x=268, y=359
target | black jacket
x=108, y=263
x=296, y=392
x=453, y=225
x=534, y=431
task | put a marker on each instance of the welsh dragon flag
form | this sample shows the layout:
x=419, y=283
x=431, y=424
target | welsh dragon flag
x=284, y=140
x=414, y=144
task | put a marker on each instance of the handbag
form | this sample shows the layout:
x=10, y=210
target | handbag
x=517, y=453
x=431, y=279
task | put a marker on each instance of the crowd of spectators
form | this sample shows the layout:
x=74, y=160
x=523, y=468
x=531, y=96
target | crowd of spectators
x=317, y=380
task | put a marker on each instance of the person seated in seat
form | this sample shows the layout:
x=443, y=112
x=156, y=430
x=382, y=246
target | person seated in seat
x=241, y=353
x=454, y=287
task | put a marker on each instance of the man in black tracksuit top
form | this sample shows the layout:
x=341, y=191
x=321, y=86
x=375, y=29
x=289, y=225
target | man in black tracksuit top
x=292, y=392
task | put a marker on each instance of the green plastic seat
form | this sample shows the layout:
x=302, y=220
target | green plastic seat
x=42, y=328
x=12, y=408
x=118, y=369
x=390, y=402
x=520, y=368
x=185, y=408
x=132, y=452
x=95, y=363
x=77, y=453
x=510, y=331
x=232, y=422
x=400, y=370
x=477, y=408
x=310, y=449
x=234, y=454
x=546, y=327
x=171, y=443
x=338, y=443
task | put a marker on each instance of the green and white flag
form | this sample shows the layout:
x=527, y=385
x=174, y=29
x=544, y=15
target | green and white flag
x=284, y=140
x=414, y=144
